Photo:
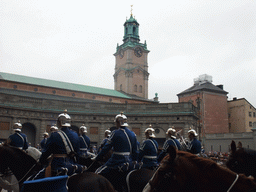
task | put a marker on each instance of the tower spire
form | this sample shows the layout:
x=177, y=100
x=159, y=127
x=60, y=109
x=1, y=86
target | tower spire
x=131, y=10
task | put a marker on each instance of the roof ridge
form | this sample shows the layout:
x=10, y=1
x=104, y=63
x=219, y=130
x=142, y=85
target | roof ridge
x=61, y=85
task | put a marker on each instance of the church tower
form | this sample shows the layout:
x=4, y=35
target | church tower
x=131, y=68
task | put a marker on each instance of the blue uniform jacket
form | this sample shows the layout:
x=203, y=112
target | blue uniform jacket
x=170, y=142
x=43, y=143
x=55, y=145
x=17, y=141
x=104, y=141
x=194, y=146
x=119, y=142
x=84, y=142
x=148, y=153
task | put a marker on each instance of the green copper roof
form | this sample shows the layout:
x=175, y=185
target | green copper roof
x=61, y=85
x=131, y=20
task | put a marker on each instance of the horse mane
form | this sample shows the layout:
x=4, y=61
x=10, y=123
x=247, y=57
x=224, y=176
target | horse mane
x=198, y=173
x=250, y=151
x=199, y=161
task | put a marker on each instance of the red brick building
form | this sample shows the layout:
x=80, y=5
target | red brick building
x=212, y=106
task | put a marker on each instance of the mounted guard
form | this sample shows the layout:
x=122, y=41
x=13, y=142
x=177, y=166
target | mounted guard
x=104, y=141
x=63, y=147
x=148, y=151
x=43, y=142
x=171, y=141
x=84, y=141
x=193, y=145
x=124, y=144
x=18, y=139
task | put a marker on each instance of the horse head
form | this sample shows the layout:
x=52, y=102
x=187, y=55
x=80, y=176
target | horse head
x=18, y=161
x=185, y=172
x=242, y=160
x=165, y=176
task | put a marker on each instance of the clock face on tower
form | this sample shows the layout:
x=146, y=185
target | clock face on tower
x=138, y=51
x=121, y=53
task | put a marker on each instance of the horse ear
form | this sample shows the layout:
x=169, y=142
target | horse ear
x=239, y=144
x=233, y=147
x=172, y=152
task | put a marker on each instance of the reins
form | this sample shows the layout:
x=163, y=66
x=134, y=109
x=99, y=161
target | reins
x=167, y=174
x=237, y=176
x=11, y=184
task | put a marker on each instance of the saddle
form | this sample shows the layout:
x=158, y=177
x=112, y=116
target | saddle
x=48, y=169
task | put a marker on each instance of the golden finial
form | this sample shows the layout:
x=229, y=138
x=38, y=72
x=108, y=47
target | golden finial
x=131, y=9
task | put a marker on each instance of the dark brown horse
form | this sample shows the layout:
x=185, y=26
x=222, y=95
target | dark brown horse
x=22, y=165
x=242, y=160
x=137, y=179
x=184, y=172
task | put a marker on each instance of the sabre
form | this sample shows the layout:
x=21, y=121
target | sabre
x=181, y=137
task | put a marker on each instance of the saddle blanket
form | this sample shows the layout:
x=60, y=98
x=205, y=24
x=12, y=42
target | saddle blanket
x=49, y=184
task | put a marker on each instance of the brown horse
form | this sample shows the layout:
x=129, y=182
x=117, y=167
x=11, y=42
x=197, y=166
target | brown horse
x=242, y=160
x=23, y=166
x=184, y=172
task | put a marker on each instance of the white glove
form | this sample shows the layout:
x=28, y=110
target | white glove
x=93, y=158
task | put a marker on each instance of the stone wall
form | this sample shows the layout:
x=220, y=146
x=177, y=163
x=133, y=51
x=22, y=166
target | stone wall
x=38, y=113
x=221, y=142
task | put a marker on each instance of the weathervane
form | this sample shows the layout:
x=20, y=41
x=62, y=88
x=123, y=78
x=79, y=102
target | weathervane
x=131, y=10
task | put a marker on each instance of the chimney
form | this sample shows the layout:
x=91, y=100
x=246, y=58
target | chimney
x=220, y=86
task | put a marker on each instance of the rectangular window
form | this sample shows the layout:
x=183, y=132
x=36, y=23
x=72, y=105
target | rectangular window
x=4, y=125
x=136, y=131
x=94, y=130
x=253, y=114
x=250, y=124
x=250, y=114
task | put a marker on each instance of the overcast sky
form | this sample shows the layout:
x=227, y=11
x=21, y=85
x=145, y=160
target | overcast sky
x=74, y=41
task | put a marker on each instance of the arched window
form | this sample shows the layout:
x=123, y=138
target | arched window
x=140, y=89
x=134, y=30
x=121, y=87
x=135, y=88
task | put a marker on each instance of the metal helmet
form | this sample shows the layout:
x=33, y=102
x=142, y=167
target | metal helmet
x=122, y=119
x=150, y=131
x=64, y=120
x=45, y=134
x=53, y=128
x=171, y=131
x=83, y=128
x=192, y=131
x=107, y=132
x=17, y=126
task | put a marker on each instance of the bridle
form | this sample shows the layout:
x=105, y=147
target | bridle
x=166, y=175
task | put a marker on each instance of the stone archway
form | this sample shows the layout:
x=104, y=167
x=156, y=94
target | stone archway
x=30, y=130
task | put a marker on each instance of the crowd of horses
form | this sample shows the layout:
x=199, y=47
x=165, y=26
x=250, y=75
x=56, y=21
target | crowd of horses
x=179, y=171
